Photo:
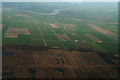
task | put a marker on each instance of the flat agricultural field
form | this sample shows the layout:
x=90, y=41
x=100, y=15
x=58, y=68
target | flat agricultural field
x=56, y=63
x=69, y=26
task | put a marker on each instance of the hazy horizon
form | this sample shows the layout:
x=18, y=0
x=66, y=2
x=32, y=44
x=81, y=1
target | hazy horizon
x=60, y=0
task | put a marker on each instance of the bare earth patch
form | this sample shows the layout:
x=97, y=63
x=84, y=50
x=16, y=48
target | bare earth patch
x=90, y=36
x=54, y=26
x=70, y=25
x=14, y=32
x=94, y=27
x=63, y=37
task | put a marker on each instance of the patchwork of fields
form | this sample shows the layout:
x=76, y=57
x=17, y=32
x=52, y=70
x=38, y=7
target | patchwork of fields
x=60, y=40
x=62, y=29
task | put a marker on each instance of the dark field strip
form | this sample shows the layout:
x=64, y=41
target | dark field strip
x=58, y=62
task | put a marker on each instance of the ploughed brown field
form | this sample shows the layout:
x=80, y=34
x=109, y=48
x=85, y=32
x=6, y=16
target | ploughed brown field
x=27, y=61
x=14, y=32
x=70, y=25
x=94, y=27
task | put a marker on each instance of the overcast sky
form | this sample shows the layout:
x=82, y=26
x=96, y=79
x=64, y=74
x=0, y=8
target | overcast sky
x=60, y=0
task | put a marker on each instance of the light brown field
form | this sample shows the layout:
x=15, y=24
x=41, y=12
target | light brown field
x=90, y=36
x=54, y=26
x=13, y=32
x=94, y=27
x=10, y=35
x=63, y=37
x=23, y=15
x=70, y=25
x=76, y=19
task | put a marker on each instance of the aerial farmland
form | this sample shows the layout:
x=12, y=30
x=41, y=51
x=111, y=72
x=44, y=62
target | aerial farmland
x=61, y=35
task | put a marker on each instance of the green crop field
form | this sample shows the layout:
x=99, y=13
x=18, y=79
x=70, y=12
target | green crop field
x=88, y=26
